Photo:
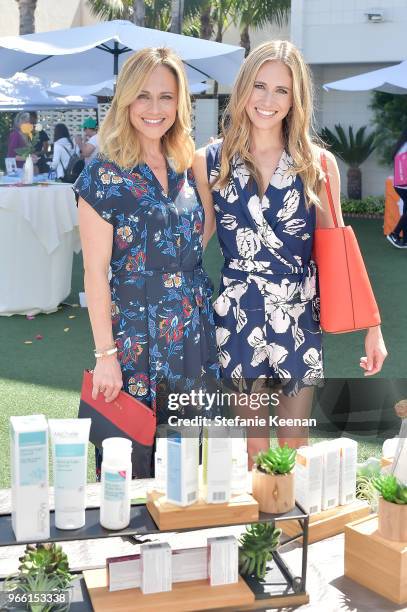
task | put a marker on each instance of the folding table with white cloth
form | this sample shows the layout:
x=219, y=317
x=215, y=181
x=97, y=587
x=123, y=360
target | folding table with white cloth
x=38, y=237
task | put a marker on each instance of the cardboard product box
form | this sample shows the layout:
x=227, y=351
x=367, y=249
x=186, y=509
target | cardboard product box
x=29, y=477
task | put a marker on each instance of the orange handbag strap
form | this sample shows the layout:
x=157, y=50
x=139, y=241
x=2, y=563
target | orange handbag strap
x=328, y=189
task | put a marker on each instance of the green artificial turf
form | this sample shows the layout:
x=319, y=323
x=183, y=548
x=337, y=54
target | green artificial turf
x=45, y=376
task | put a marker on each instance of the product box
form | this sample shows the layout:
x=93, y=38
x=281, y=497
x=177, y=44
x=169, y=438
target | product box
x=182, y=465
x=29, y=477
x=217, y=465
x=189, y=564
x=123, y=572
x=347, y=472
x=400, y=461
x=223, y=560
x=156, y=570
x=308, y=478
x=240, y=461
x=330, y=473
x=160, y=465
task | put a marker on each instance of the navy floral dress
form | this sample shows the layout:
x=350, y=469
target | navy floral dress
x=267, y=312
x=162, y=314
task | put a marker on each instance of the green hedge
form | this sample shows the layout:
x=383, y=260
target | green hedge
x=371, y=205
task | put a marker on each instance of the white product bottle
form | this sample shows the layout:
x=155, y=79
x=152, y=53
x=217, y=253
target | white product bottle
x=28, y=175
x=115, y=499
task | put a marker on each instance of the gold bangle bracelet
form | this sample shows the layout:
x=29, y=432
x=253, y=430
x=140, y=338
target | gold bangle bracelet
x=106, y=353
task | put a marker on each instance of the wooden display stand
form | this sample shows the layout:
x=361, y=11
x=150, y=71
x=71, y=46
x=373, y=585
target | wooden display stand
x=328, y=523
x=168, y=517
x=184, y=597
x=376, y=563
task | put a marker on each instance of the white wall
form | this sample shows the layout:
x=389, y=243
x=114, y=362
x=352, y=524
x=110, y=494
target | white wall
x=349, y=108
x=338, y=30
x=49, y=15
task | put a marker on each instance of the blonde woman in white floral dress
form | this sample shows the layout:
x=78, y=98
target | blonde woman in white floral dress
x=263, y=185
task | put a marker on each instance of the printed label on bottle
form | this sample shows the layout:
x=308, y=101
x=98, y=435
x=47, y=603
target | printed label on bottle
x=69, y=466
x=115, y=485
x=33, y=457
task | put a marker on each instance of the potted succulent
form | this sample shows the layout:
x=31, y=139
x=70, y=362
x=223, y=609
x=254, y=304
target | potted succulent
x=273, y=479
x=43, y=569
x=392, y=508
x=256, y=548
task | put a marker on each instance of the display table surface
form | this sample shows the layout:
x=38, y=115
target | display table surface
x=38, y=236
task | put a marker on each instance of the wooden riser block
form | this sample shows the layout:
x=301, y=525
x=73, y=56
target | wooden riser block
x=168, y=517
x=378, y=564
x=328, y=523
x=184, y=597
x=277, y=602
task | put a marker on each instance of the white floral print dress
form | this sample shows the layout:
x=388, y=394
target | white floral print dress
x=267, y=312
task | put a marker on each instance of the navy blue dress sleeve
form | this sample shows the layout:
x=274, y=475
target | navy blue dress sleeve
x=213, y=160
x=99, y=185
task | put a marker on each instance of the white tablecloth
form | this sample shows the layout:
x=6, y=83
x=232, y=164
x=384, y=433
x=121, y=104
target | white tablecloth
x=38, y=236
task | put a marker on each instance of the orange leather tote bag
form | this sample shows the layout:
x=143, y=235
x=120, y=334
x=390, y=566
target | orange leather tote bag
x=347, y=302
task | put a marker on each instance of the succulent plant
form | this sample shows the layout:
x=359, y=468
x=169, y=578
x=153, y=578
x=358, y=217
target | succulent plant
x=43, y=568
x=391, y=489
x=277, y=460
x=257, y=545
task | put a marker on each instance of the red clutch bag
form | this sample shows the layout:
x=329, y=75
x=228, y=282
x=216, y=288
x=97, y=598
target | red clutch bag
x=124, y=417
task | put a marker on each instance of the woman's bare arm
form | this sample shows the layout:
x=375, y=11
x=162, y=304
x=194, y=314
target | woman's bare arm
x=96, y=238
x=324, y=215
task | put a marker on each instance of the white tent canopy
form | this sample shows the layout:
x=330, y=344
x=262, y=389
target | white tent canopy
x=25, y=92
x=391, y=80
x=101, y=49
x=106, y=88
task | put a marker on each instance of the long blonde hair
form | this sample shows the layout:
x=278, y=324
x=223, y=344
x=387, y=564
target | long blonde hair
x=297, y=126
x=118, y=138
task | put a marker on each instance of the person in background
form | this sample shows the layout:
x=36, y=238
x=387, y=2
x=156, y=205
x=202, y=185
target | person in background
x=41, y=148
x=89, y=147
x=63, y=149
x=17, y=139
x=395, y=238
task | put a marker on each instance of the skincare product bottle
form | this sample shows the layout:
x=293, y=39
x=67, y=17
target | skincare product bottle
x=29, y=477
x=116, y=472
x=28, y=171
x=182, y=465
x=70, y=438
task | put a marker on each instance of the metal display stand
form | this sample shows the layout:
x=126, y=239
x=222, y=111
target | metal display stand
x=279, y=587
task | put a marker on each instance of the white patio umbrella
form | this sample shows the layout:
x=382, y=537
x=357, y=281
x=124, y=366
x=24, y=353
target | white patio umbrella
x=106, y=88
x=25, y=92
x=391, y=80
x=100, y=50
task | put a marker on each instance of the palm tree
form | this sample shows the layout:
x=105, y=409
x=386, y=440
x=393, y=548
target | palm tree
x=139, y=13
x=26, y=10
x=257, y=14
x=353, y=150
x=177, y=13
x=113, y=9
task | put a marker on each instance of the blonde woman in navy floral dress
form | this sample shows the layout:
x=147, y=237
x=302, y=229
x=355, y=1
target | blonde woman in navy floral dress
x=263, y=185
x=140, y=214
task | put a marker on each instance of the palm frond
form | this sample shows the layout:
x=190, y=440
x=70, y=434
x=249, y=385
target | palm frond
x=352, y=148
